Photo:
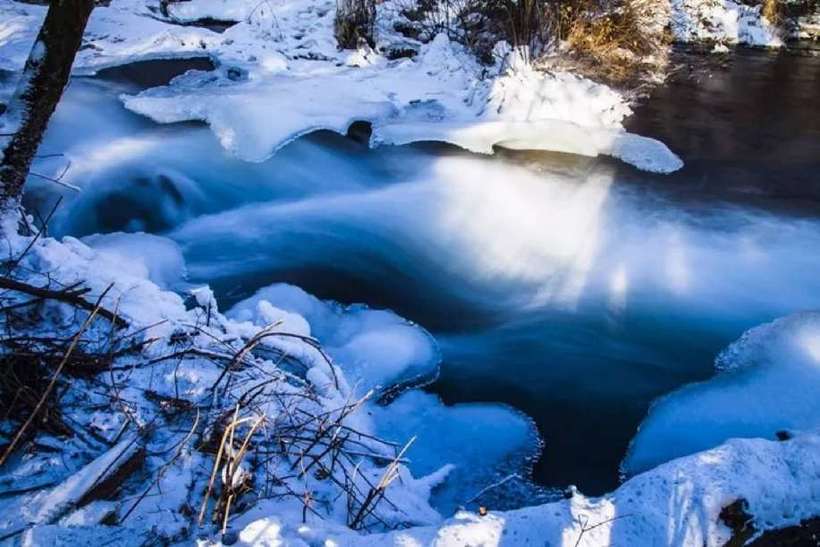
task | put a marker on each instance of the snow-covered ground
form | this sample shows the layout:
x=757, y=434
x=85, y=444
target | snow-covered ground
x=722, y=22
x=676, y=503
x=281, y=75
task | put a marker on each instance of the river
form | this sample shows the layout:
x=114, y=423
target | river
x=576, y=290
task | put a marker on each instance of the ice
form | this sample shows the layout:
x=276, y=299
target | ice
x=677, y=504
x=410, y=101
x=255, y=120
x=375, y=348
x=278, y=63
x=483, y=443
x=154, y=257
x=768, y=381
x=547, y=135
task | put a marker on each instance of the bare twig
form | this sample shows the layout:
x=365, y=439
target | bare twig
x=51, y=384
x=67, y=296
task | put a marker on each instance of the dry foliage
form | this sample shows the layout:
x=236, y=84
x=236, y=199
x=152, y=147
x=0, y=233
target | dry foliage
x=261, y=425
x=616, y=41
x=355, y=23
x=619, y=44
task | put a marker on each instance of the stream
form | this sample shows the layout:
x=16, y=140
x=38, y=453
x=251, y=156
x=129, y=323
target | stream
x=576, y=290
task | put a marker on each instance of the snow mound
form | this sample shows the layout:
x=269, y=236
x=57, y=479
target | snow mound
x=410, y=101
x=722, y=21
x=293, y=369
x=156, y=258
x=769, y=381
x=375, y=348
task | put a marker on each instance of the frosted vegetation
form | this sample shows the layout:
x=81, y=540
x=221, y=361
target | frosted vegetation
x=210, y=401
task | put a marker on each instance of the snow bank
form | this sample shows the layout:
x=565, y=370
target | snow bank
x=376, y=348
x=549, y=135
x=281, y=76
x=768, y=381
x=156, y=258
x=436, y=97
x=722, y=21
x=367, y=348
x=676, y=504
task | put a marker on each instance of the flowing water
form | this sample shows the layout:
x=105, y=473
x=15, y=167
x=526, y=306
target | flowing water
x=575, y=290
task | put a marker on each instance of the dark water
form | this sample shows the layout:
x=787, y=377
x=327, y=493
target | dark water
x=575, y=290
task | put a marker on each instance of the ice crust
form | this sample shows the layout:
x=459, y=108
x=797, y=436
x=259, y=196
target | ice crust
x=768, y=381
x=281, y=76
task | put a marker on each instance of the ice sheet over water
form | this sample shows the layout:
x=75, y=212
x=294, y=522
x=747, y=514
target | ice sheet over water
x=485, y=445
x=768, y=381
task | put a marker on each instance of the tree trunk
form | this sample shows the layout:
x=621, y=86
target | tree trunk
x=45, y=75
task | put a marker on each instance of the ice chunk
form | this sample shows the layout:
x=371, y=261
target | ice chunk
x=768, y=381
x=484, y=442
x=152, y=257
x=375, y=348
x=549, y=135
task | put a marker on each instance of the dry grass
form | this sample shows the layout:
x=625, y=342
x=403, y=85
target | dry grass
x=617, y=45
x=355, y=23
x=616, y=41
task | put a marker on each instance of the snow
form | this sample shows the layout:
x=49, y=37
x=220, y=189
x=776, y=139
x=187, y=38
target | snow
x=378, y=349
x=156, y=258
x=276, y=68
x=548, y=135
x=722, y=21
x=767, y=381
x=53, y=504
x=676, y=504
x=278, y=63
x=359, y=335
x=220, y=10
x=435, y=97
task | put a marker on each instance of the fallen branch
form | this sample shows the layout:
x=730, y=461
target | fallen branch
x=68, y=296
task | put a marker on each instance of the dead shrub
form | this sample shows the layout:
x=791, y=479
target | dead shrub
x=615, y=41
x=355, y=23
x=619, y=44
